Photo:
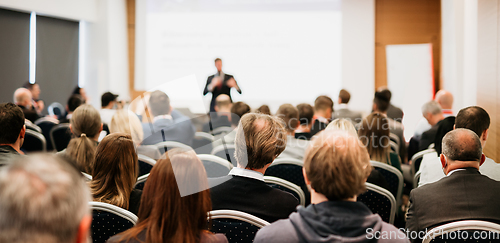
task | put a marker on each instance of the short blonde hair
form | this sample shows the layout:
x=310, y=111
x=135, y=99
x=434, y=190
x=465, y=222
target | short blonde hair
x=337, y=165
x=342, y=125
x=126, y=121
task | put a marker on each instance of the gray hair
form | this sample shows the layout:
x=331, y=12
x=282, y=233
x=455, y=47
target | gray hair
x=431, y=107
x=42, y=199
x=462, y=145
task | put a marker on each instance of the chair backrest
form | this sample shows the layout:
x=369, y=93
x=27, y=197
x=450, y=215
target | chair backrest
x=221, y=130
x=225, y=151
x=416, y=160
x=290, y=169
x=202, y=142
x=31, y=126
x=46, y=124
x=56, y=109
x=287, y=186
x=60, y=135
x=145, y=164
x=139, y=184
x=379, y=201
x=237, y=226
x=109, y=220
x=34, y=142
x=394, y=147
x=464, y=231
x=393, y=137
x=416, y=179
x=87, y=176
x=168, y=145
x=393, y=176
x=215, y=166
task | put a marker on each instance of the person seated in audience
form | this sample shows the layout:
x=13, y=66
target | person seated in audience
x=222, y=116
x=114, y=173
x=82, y=92
x=343, y=110
x=476, y=119
x=334, y=215
x=393, y=112
x=167, y=124
x=74, y=102
x=463, y=194
x=22, y=98
x=85, y=125
x=176, y=196
x=259, y=140
x=264, y=109
x=295, y=148
x=445, y=102
x=126, y=121
x=237, y=111
x=439, y=126
x=35, y=95
x=381, y=103
x=108, y=107
x=323, y=108
x=13, y=132
x=306, y=113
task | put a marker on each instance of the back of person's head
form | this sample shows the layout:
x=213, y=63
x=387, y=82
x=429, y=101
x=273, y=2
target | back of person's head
x=259, y=140
x=342, y=125
x=237, y=111
x=86, y=126
x=462, y=145
x=223, y=102
x=306, y=113
x=382, y=100
x=22, y=96
x=264, y=109
x=473, y=118
x=159, y=103
x=374, y=134
x=431, y=107
x=126, y=121
x=115, y=170
x=74, y=101
x=445, y=99
x=11, y=122
x=344, y=96
x=43, y=199
x=107, y=98
x=175, y=200
x=323, y=103
x=337, y=165
x=290, y=116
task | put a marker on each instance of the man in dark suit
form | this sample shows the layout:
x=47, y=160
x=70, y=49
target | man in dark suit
x=463, y=194
x=343, y=110
x=222, y=116
x=167, y=124
x=306, y=113
x=393, y=112
x=220, y=83
x=244, y=189
x=323, y=108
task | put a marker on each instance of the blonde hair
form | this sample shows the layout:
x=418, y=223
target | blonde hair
x=126, y=121
x=342, y=124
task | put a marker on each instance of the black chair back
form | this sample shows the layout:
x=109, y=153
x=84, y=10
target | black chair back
x=60, y=136
x=46, y=126
x=379, y=201
x=236, y=231
x=34, y=142
x=106, y=224
x=291, y=173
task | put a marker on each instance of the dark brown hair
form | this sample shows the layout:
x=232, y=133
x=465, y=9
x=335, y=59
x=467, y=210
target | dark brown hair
x=344, y=96
x=306, y=113
x=237, y=111
x=290, y=116
x=264, y=109
x=323, y=102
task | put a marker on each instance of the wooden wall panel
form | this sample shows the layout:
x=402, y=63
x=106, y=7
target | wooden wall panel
x=406, y=22
x=131, y=48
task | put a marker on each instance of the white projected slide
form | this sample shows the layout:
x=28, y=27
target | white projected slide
x=278, y=51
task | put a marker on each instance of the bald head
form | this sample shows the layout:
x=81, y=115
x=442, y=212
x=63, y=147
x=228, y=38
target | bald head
x=223, y=103
x=445, y=99
x=462, y=145
x=22, y=96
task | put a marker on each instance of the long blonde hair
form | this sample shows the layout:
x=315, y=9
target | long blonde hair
x=127, y=122
x=374, y=134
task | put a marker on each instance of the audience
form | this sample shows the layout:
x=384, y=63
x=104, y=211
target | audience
x=22, y=98
x=108, y=107
x=222, y=116
x=439, y=126
x=13, y=130
x=342, y=124
x=295, y=148
x=336, y=179
x=83, y=93
x=259, y=140
x=445, y=102
x=74, y=102
x=114, y=173
x=43, y=199
x=393, y=112
x=175, y=203
x=167, y=124
x=237, y=111
x=85, y=125
x=264, y=109
x=306, y=113
x=323, y=108
x=343, y=110
x=35, y=95
x=463, y=194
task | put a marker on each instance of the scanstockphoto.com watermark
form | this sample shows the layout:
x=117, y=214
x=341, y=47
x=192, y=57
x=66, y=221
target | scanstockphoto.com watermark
x=442, y=234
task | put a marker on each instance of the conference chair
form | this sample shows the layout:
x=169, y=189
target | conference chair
x=393, y=137
x=46, y=124
x=286, y=186
x=221, y=130
x=56, y=109
x=225, y=151
x=416, y=179
x=60, y=135
x=31, y=126
x=393, y=176
x=416, y=159
x=468, y=231
x=202, y=142
x=237, y=226
x=145, y=164
x=141, y=181
x=394, y=147
x=109, y=220
x=290, y=169
x=379, y=201
x=168, y=145
x=215, y=166
x=34, y=142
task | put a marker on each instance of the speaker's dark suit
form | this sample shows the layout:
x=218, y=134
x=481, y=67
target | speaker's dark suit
x=223, y=89
x=463, y=195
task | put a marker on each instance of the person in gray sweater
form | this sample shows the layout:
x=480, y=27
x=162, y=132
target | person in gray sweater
x=336, y=167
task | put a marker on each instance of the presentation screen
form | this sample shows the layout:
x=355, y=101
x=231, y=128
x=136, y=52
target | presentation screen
x=279, y=51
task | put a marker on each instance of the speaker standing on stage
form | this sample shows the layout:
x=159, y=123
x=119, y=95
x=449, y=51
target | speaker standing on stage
x=220, y=83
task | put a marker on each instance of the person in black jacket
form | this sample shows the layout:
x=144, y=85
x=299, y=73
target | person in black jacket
x=259, y=140
x=323, y=108
x=220, y=83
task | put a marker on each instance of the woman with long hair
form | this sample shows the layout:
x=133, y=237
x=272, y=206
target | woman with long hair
x=175, y=203
x=86, y=126
x=115, y=172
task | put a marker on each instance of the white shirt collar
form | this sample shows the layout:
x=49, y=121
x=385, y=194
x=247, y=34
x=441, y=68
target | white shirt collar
x=156, y=118
x=247, y=173
x=343, y=106
x=453, y=171
x=322, y=119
